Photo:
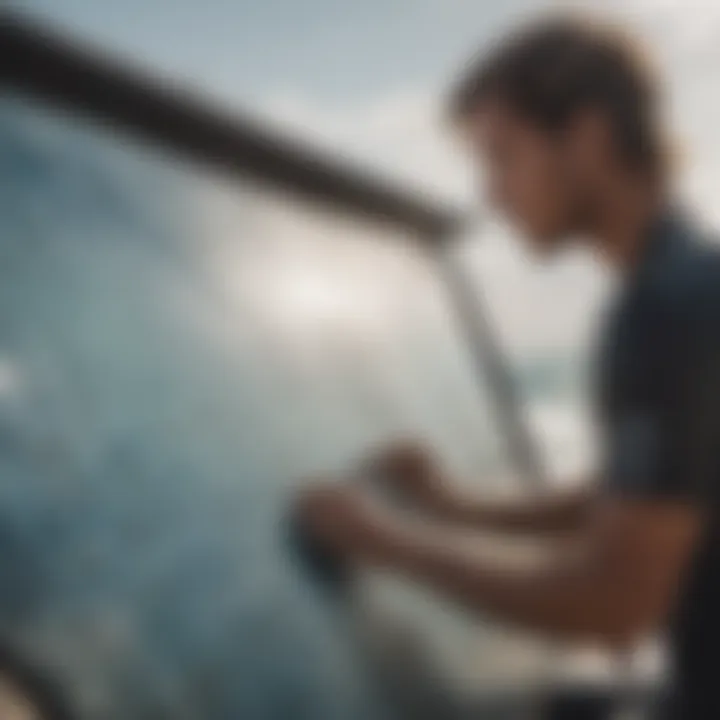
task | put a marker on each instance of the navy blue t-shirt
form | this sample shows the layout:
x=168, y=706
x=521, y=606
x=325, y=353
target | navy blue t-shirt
x=659, y=398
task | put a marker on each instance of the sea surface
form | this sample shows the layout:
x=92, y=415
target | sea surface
x=177, y=351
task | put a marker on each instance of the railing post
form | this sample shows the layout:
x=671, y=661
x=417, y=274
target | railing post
x=492, y=368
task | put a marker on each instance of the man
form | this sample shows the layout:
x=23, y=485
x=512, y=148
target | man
x=566, y=120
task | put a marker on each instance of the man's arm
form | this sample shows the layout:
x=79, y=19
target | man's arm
x=551, y=513
x=620, y=585
x=623, y=584
x=410, y=471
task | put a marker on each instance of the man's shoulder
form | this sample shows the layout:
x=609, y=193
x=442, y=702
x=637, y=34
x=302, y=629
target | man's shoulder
x=685, y=282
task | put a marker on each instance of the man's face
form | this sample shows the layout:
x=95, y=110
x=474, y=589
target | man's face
x=530, y=176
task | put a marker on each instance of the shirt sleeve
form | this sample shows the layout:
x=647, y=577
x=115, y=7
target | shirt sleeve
x=663, y=434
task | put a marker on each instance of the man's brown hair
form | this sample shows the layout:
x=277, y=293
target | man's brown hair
x=550, y=71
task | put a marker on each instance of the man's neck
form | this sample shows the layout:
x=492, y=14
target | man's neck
x=623, y=218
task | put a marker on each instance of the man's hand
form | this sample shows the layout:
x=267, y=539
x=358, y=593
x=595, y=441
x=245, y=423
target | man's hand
x=410, y=471
x=341, y=517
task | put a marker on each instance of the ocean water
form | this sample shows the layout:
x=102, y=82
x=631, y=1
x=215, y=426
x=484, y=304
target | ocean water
x=177, y=351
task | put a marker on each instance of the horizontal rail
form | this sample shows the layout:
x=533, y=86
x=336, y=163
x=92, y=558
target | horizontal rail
x=35, y=60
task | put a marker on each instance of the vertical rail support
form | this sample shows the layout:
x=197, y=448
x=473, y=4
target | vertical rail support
x=491, y=366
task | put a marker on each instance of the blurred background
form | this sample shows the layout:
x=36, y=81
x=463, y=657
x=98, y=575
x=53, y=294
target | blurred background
x=178, y=347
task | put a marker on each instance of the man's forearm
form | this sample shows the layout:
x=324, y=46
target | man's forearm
x=566, y=600
x=553, y=513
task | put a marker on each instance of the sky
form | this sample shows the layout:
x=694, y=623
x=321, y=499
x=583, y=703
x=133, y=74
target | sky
x=367, y=79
